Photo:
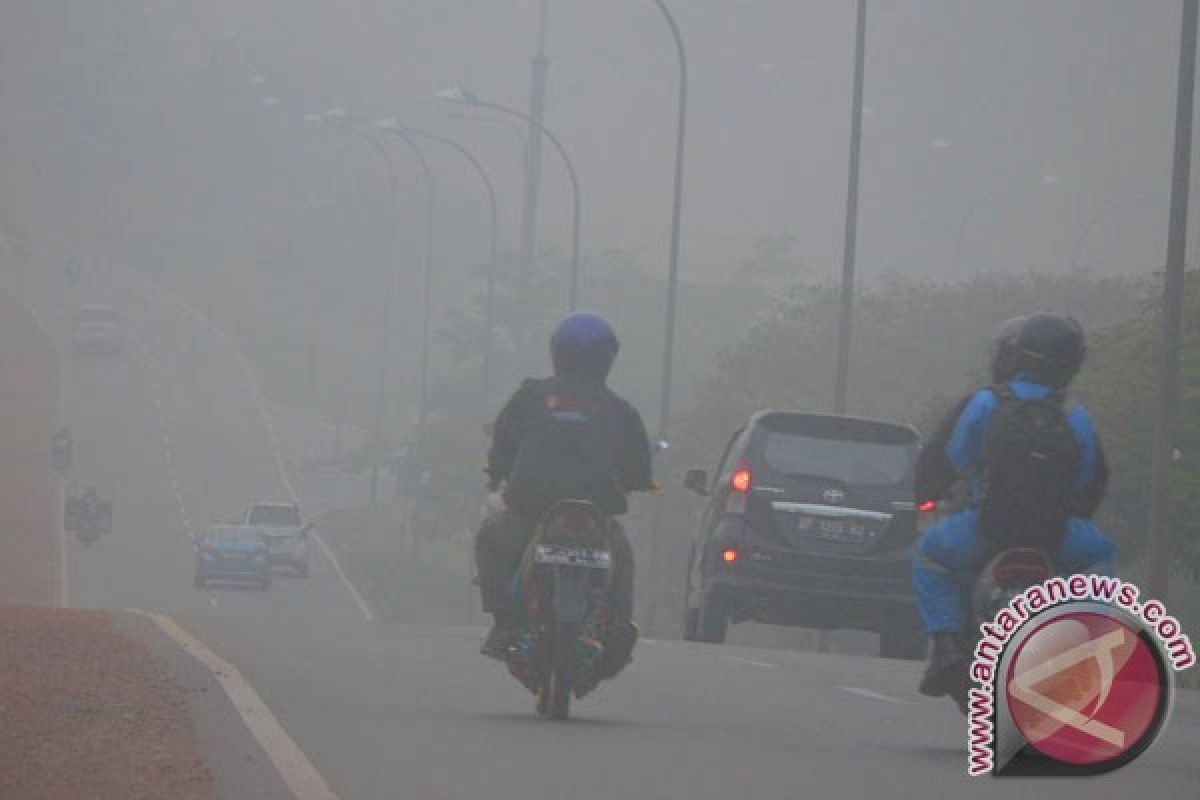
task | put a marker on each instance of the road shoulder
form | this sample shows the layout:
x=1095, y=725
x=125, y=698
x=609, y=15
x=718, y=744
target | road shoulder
x=88, y=711
x=239, y=766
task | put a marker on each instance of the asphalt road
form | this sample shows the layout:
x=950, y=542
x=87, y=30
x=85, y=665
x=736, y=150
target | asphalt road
x=172, y=430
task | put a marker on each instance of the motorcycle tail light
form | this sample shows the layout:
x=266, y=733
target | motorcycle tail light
x=1022, y=568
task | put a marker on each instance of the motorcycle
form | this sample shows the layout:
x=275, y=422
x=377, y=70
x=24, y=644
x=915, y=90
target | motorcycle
x=88, y=519
x=1009, y=573
x=1006, y=575
x=562, y=590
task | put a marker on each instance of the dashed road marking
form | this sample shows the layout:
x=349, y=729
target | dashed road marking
x=163, y=433
x=751, y=662
x=290, y=762
x=260, y=405
x=873, y=695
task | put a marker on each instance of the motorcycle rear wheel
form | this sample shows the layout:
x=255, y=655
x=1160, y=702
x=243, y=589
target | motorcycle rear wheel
x=554, y=698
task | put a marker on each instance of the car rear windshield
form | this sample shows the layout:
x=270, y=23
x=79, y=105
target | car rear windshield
x=855, y=463
x=282, y=516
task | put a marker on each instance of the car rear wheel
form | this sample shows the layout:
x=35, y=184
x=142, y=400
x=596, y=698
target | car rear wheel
x=691, y=625
x=712, y=620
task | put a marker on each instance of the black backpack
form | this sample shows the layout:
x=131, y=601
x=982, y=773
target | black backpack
x=567, y=450
x=1029, y=467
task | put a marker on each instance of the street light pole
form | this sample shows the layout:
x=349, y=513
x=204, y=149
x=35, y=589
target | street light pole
x=846, y=314
x=385, y=345
x=533, y=173
x=427, y=284
x=664, y=408
x=490, y=305
x=464, y=97
x=1159, y=546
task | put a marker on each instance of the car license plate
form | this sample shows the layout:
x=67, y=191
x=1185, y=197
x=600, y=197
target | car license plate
x=836, y=530
x=560, y=555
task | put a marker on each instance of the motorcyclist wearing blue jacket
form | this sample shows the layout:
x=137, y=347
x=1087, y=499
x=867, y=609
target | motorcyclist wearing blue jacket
x=1049, y=352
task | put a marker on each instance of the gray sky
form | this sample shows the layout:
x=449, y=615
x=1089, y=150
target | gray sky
x=995, y=131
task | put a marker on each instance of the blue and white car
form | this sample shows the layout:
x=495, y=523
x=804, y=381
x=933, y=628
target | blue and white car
x=235, y=553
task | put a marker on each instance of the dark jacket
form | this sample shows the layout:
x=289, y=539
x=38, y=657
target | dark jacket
x=559, y=438
x=936, y=474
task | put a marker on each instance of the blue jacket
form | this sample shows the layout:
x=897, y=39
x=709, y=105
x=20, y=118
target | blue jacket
x=964, y=449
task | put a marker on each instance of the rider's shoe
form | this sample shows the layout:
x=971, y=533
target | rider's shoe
x=500, y=639
x=946, y=664
x=618, y=650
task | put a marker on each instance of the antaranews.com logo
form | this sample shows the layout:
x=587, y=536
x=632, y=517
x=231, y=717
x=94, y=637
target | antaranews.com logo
x=1075, y=676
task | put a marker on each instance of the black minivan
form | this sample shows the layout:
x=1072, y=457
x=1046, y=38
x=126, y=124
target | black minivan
x=809, y=522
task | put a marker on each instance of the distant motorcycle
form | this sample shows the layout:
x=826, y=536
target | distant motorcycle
x=88, y=516
x=563, y=585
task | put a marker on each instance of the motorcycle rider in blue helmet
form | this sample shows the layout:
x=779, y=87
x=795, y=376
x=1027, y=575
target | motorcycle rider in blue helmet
x=567, y=436
x=1048, y=351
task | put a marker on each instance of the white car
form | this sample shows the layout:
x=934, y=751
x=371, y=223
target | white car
x=97, y=329
x=287, y=535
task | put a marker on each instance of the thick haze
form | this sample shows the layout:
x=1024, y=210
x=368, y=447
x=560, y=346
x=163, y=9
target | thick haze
x=994, y=132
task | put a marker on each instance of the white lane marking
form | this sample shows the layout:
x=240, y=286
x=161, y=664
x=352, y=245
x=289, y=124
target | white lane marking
x=164, y=436
x=290, y=762
x=260, y=405
x=871, y=695
x=751, y=662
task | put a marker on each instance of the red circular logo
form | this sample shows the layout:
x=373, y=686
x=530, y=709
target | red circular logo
x=1084, y=688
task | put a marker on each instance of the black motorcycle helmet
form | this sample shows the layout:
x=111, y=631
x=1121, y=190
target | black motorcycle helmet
x=583, y=346
x=1050, y=349
x=1005, y=355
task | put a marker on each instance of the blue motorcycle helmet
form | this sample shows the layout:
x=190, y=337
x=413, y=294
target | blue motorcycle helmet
x=584, y=345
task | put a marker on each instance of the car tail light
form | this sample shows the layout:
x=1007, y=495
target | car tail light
x=730, y=555
x=742, y=478
x=927, y=506
x=739, y=488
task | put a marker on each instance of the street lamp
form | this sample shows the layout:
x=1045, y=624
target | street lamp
x=508, y=123
x=490, y=306
x=427, y=289
x=664, y=409
x=461, y=96
x=339, y=115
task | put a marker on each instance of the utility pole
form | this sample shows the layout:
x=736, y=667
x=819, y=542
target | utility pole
x=664, y=409
x=845, y=317
x=533, y=179
x=1159, y=546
